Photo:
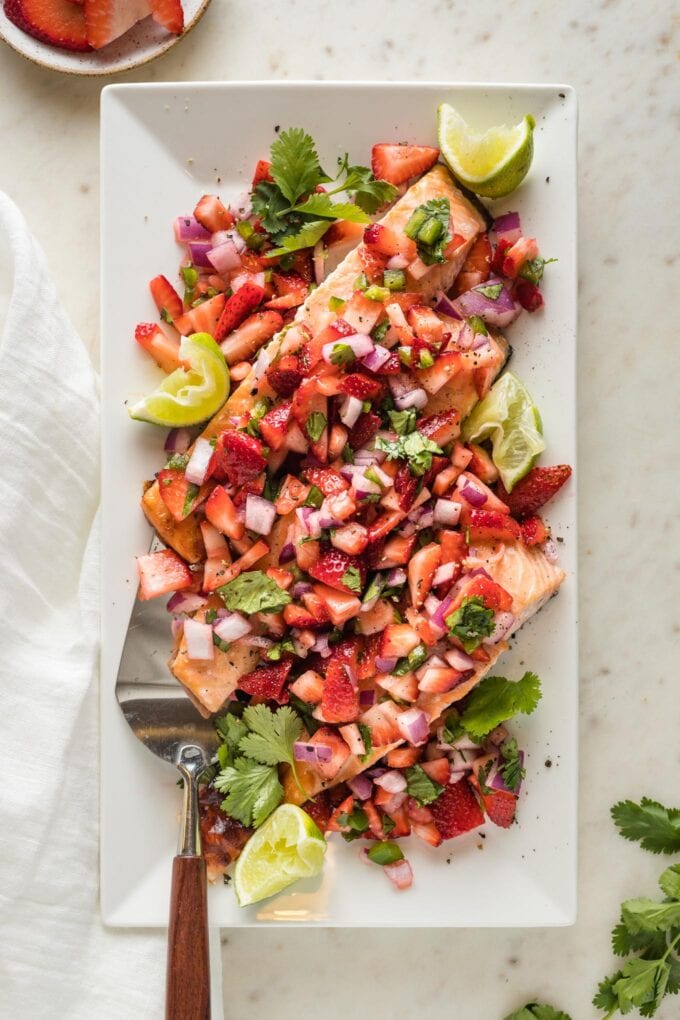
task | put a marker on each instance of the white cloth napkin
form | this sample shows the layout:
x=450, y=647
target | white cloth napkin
x=57, y=961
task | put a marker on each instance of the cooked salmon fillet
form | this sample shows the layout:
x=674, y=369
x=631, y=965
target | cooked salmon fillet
x=531, y=579
x=185, y=536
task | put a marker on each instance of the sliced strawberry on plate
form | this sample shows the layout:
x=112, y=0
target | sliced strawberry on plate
x=180, y=496
x=341, y=571
x=361, y=386
x=392, y=366
x=340, y=700
x=238, y=457
x=328, y=480
x=163, y=349
x=381, y=722
x=169, y=14
x=56, y=22
x=456, y=810
x=284, y=376
x=212, y=214
x=534, y=531
x=106, y=20
x=406, y=487
x=291, y=291
x=500, y=807
x=274, y=424
x=237, y=307
x=397, y=163
x=535, y=489
x=426, y=324
x=398, y=640
x=168, y=301
x=162, y=572
x=267, y=681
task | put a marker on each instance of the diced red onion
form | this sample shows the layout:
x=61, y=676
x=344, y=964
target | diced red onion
x=225, y=258
x=477, y=572
x=416, y=398
x=413, y=726
x=444, y=573
x=399, y=873
x=407, y=529
x=472, y=494
x=500, y=311
x=458, y=659
x=197, y=468
x=243, y=278
x=445, y=306
x=361, y=786
x=396, y=577
x=433, y=660
x=185, y=602
x=447, y=512
x=361, y=344
x=322, y=646
x=464, y=743
x=309, y=520
x=432, y=604
x=426, y=519
x=176, y=627
x=367, y=698
x=287, y=553
x=198, y=252
x=397, y=262
x=392, y=781
x=187, y=228
x=260, y=514
x=312, y=753
x=199, y=640
x=498, y=783
x=177, y=441
x=232, y=627
x=550, y=551
x=385, y=664
x=301, y=588
x=401, y=384
x=295, y=441
x=503, y=624
x=458, y=769
x=439, y=618
x=241, y=207
x=376, y=359
x=319, y=261
x=255, y=641
x=508, y=227
x=350, y=409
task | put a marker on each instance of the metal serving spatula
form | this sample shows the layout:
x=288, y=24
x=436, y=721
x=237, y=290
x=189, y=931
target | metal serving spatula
x=161, y=715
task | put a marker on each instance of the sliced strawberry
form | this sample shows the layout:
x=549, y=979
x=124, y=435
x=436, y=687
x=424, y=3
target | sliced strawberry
x=284, y=376
x=168, y=301
x=292, y=494
x=203, y=318
x=534, y=531
x=396, y=552
x=404, y=757
x=308, y=687
x=340, y=752
x=352, y=538
x=340, y=701
x=56, y=22
x=500, y=806
x=384, y=524
x=373, y=264
x=179, y=495
x=441, y=428
x=482, y=465
x=438, y=769
x=267, y=681
x=454, y=546
x=244, y=341
x=308, y=405
x=106, y=20
x=427, y=831
x=398, y=640
x=162, y=572
x=524, y=249
x=392, y=366
x=426, y=324
x=534, y=490
x=398, y=163
x=421, y=570
x=222, y=514
x=169, y=14
x=492, y=594
x=163, y=350
x=274, y=425
x=238, y=457
x=316, y=607
x=262, y=168
x=340, y=605
x=361, y=386
x=388, y=242
x=298, y=616
x=291, y=291
x=381, y=722
x=490, y=526
x=406, y=487
x=213, y=214
x=401, y=688
x=364, y=430
x=332, y=569
x=345, y=807
x=503, y=246
x=456, y=810
x=328, y=480
x=477, y=266
x=237, y=307
x=440, y=679
x=528, y=295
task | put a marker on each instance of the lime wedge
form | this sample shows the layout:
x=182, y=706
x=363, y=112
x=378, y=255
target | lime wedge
x=188, y=397
x=508, y=417
x=287, y=847
x=492, y=164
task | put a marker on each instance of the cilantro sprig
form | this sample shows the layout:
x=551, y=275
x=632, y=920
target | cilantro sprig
x=496, y=699
x=655, y=827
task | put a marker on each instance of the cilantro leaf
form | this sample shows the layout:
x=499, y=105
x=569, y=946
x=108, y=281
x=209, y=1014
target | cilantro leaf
x=278, y=650
x=415, y=448
x=496, y=699
x=367, y=738
x=655, y=827
x=368, y=192
x=471, y=622
x=230, y=730
x=533, y=269
x=537, y=1011
x=651, y=944
x=352, y=579
x=342, y=354
x=642, y=983
x=421, y=787
x=606, y=998
x=670, y=881
x=272, y=734
x=271, y=206
x=511, y=768
x=254, y=592
x=643, y=914
x=321, y=205
x=306, y=237
x=295, y=164
x=314, y=426
x=253, y=791
x=403, y=422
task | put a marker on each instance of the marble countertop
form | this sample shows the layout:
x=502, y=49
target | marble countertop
x=621, y=56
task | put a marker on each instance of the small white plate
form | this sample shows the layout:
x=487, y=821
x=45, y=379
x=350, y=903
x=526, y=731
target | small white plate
x=163, y=146
x=144, y=42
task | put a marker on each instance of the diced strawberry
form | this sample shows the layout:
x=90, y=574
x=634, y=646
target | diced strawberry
x=392, y=366
x=244, y=341
x=203, y=318
x=400, y=874
x=441, y=428
x=307, y=401
x=237, y=307
x=535, y=489
x=520, y=252
x=381, y=724
x=284, y=578
x=284, y=376
x=375, y=826
x=163, y=350
x=440, y=679
x=439, y=464
x=406, y=487
x=345, y=807
x=249, y=558
x=364, y=430
x=500, y=805
x=376, y=619
x=291, y=290
x=340, y=700
x=267, y=681
x=389, y=242
x=454, y=546
x=308, y=687
x=298, y=616
x=490, y=526
x=398, y=640
x=427, y=831
x=328, y=480
x=427, y=632
x=368, y=650
x=360, y=386
x=169, y=14
x=56, y=22
x=534, y=531
x=306, y=553
x=528, y=295
x=477, y=266
x=403, y=688
x=274, y=425
x=319, y=808
x=426, y=324
x=213, y=214
x=168, y=302
x=329, y=738
x=214, y=542
x=262, y=168
x=352, y=538
x=396, y=551
x=384, y=524
x=438, y=769
x=180, y=497
x=373, y=264
x=418, y=812
x=316, y=607
x=446, y=367
x=292, y=494
x=421, y=570
x=162, y=572
x=331, y=569
x=404, y=757
x=216, y=572
x=493, y=594
x=503, y=246
x=398, y=163
x=340, y=605
x=361, y=313
x=456, y=810
x=238, y=457
x=482, y=465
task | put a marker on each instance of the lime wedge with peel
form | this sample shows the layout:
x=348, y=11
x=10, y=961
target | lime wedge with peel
x=188, y=396
x=491, y=164
x=508, y=417
x=287, y=847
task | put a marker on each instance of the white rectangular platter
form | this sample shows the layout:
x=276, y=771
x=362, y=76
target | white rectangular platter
x=163, y=146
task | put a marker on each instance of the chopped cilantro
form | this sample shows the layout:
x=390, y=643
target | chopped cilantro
x=190, y=498
x=415, y=448
x=378, y=332
x=367, y=739
x=314, y=497
x=403, y=422
x=511, y=768
x=178, y=461
x=342, y=354
x=316, y=423
x=352, y=579
x=533, y=269
x=497, y=699
x=254, y=592
x=471, y=622
x=419, y=785
x=278, y=650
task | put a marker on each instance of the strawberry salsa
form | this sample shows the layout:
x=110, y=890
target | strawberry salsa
x=335, y=550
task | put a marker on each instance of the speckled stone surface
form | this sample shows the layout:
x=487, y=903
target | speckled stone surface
x=621, y=55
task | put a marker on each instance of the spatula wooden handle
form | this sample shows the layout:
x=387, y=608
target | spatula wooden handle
x=188, y=974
